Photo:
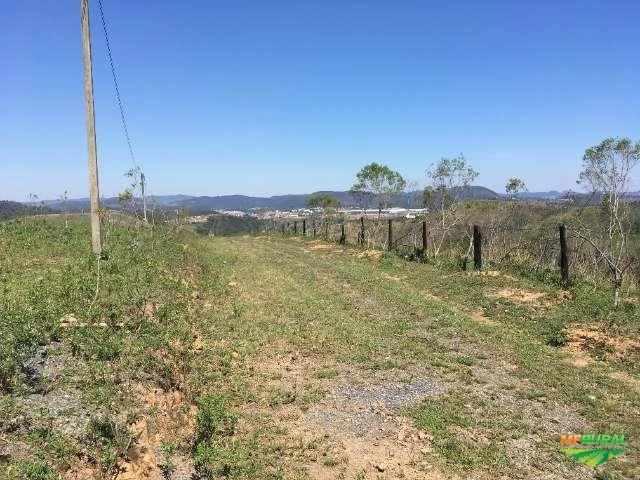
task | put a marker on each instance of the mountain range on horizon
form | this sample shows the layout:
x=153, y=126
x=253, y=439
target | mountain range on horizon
x=205, y=204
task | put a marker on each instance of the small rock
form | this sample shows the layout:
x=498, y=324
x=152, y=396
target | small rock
x=422, y=435
x=69, y=320
x=381, y=466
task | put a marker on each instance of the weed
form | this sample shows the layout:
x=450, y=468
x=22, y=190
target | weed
x=328, y=373
x=465, y=360
x=28, y=470
x=281, y=397
x=214, y=417
x=110, y=439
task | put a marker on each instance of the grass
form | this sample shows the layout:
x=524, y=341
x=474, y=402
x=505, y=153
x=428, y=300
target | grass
x=451, y=424
x=256, y=332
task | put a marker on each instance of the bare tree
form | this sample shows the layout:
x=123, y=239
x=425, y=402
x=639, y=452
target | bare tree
x=450, y=179
x=63, y=203
x=606, y=172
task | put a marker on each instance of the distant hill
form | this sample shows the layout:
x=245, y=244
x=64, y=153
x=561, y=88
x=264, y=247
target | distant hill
x=9, y=209
x=550, y=195
x=207, y=204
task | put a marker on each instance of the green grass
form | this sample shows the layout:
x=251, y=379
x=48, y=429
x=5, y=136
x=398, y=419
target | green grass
x=327, y=373
x=260, y=308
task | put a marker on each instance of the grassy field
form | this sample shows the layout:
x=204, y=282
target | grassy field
x=177, y=356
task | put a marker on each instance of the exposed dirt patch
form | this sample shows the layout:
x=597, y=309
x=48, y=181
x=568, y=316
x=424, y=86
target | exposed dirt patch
x=320, y=245
x=580, y=360
x=489, y=273
x=168, y=419
x=589, y=340
x=373, y=254
x=519, y=295
x=395, y=278
x=564, y=295
x=479, y=317
x=355, y=430
x=630, y=380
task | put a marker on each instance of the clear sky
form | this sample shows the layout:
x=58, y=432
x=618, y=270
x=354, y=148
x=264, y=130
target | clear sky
x=291, y=96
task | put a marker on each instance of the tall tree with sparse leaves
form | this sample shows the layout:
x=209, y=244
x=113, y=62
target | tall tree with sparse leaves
x=378, y=183
x=606, y=171
x=449, y=180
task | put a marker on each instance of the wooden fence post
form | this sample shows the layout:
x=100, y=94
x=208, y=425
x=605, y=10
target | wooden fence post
x=295, y=228
x=390, y=236
x=424, y=239
x=283, y=229
x=477, y=248
x=314, y=229
x=343, y=237
x=564, y=255
x=361, y=234
x=304, y=227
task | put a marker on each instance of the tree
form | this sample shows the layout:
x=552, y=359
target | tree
x=450, y=179
x=514, y=186
x=378, y=182
x=324, y=201
x=606, y=171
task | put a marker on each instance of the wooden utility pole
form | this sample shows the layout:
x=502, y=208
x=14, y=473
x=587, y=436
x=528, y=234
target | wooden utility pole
x=91, y=130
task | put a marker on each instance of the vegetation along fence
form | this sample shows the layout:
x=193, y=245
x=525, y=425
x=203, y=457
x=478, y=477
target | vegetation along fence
x=547, y=248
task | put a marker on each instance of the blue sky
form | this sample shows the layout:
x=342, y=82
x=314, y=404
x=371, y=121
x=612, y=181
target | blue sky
x=263, y=98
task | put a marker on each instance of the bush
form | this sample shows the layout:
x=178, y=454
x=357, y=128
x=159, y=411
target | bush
x=556, y=336
x=214, y=417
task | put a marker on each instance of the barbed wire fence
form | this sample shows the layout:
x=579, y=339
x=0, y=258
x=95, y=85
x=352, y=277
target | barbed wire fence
x=536, y=248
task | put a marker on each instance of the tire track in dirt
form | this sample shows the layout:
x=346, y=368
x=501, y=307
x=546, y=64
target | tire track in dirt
x=355, y=288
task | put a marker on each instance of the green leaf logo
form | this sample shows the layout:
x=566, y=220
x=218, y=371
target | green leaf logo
x=592, y=457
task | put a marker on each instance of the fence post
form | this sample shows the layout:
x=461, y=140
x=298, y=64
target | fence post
x=424, y=239
x=343, y=238
x=295, y=228
x=361, y=234
x=314, y=229
x=390, y=236
x=283, y=229
x=304, y=227
x=477, y=248
x=564, y=255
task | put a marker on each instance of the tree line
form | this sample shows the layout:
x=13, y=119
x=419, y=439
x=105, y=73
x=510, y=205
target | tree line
x=606, y=172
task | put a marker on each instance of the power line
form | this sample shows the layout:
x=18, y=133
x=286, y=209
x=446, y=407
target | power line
x=117, y=88
x=122, y=115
